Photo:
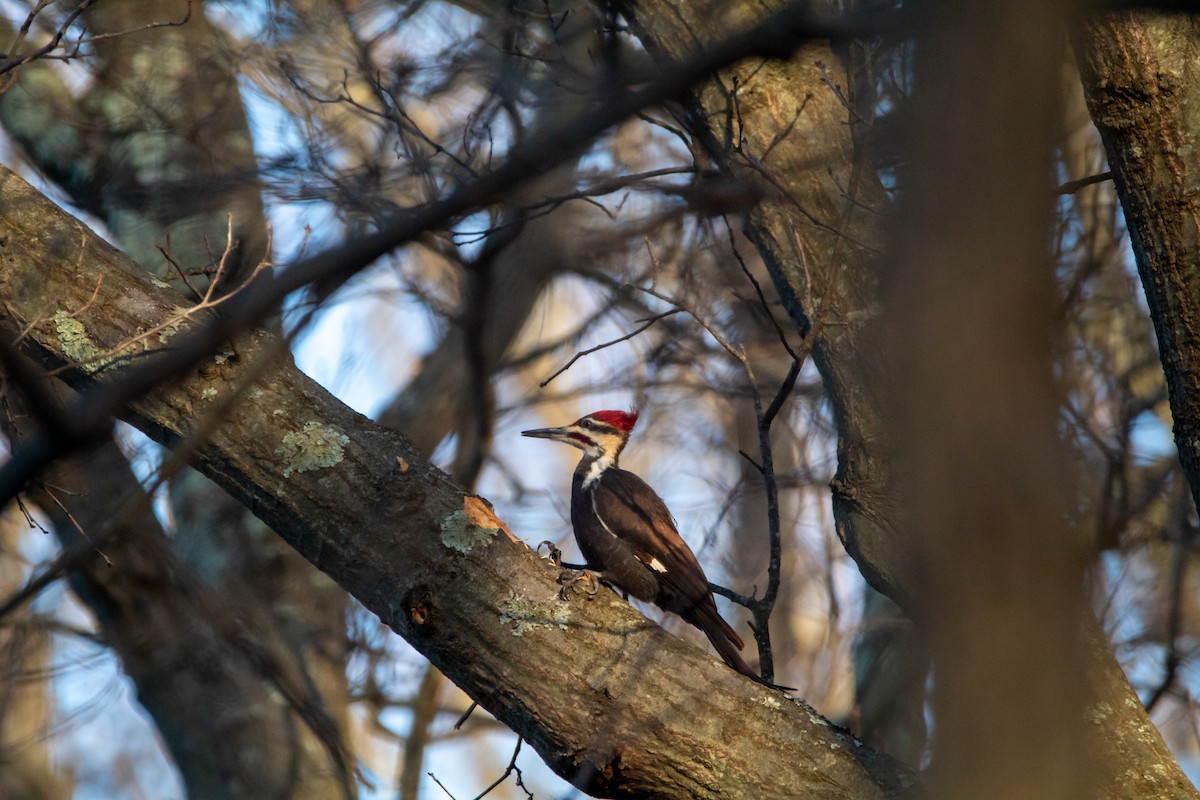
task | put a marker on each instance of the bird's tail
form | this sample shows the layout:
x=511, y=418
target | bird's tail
x=725, y=640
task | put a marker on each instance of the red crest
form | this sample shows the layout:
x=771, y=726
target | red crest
x=621, y=420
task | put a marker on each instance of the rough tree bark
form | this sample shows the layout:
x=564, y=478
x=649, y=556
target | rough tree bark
x=1141, y=74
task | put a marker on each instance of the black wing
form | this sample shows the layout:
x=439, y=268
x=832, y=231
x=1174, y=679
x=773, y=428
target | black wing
x=633, y=512
x=630, y=510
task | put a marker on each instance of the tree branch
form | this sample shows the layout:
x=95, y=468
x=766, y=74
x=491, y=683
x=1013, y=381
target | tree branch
x=435, y=564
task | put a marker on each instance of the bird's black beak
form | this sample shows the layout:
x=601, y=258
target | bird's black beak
x=546, y=433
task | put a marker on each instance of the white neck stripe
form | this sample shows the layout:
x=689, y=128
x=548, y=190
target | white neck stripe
x=596, y=470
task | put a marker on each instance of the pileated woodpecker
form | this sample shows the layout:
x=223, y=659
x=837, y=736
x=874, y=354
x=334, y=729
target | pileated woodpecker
x=628, y=537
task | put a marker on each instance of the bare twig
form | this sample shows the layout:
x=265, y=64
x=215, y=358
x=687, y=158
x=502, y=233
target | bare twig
x=12, y=63
x=547, y=205
x=798, y=359
x=171, y=324
x=744, y=600
x=1183, y=548
x=1071, y=187
x=512, y=767
x=580, y=354
x=29, y=518
x=149, y=26
x=75, y=522
x=440, y=786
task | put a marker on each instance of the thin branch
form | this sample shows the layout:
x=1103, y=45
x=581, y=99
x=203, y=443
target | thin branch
x=75, y=522
x=149, y=26
x=12, y=63
x=1175, y=615
x=1071, y=187
x=549, y=204
x=171, y=324
x=512, y=767
x=781, y=396
x=466, y=715
x=744, y=600
x=580, y=354
x=758, y=290
x=29, y=518
x=440, y=786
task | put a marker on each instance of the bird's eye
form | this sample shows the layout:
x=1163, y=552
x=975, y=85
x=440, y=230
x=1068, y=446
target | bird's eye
x=587, y=423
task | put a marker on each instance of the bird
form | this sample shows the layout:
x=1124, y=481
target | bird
x=628, y=537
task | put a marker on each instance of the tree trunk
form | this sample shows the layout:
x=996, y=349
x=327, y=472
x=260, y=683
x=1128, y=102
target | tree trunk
x=1141, y=77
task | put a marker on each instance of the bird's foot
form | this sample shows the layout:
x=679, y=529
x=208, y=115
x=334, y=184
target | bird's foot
x=570, y=583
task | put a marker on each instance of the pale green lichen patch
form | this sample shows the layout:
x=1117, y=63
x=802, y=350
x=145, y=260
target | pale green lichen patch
x=316, y=446
x=770, y=702
x=173, y=324
x=208, y=393
x=459, y=533
x=77, y=345
x=524, y=615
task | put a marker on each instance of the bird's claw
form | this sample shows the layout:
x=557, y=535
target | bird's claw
x=569, y=580
x=553, y=554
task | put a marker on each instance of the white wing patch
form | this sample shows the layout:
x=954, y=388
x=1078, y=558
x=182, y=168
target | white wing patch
x=656, y=565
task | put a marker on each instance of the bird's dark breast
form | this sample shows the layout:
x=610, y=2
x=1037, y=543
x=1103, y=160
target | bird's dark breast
x=609, y=556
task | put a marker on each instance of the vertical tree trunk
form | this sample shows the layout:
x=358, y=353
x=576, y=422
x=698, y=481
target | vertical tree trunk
x=969, y=332
x=1141, y=76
